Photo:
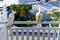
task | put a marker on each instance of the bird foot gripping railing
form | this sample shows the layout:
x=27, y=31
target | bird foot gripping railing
x=34, y=33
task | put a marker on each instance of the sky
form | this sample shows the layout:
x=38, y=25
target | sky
x=8, y=2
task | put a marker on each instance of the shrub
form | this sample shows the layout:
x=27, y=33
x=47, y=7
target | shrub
x=23, y=14
x=55, y=16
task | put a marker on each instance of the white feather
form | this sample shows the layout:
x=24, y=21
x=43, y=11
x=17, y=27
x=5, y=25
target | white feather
x=39, y=17
x=11, y=18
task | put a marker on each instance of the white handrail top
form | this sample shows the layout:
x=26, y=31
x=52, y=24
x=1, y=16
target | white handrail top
x=34, y=22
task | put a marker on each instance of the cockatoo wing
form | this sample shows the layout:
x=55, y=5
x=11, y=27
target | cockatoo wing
x=11, y=19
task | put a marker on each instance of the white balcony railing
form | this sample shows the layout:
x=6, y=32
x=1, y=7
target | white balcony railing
x=31, y=33
x=34, y=33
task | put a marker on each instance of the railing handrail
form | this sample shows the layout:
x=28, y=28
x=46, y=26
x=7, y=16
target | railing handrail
x=18, y=28
x=35, y=22
x=3, y=22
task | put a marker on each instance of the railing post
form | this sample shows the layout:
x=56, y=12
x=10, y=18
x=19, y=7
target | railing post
x=7, y=33
x=48, y=34
x=3, y=19
x=32, y=34
x=43, y=34
x=27, y=34
x=38, y=34
x=59, y=35
x=54, y=36
x=11, y=32
x=17, y=34
x=22, y=32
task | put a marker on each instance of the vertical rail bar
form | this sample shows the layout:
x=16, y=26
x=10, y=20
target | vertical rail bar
x=48, y=34
x=11, y=32
x=22, y=31
x=32, y=34
x=54, y=36
x=27, y=34
x=7, y=30
x=43, y=34
x=17, y=38
x=59, y=35
x=7, y=34
x=38, y=34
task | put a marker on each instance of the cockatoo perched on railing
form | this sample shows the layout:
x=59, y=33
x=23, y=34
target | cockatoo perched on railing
x=10, y=19
x=39, y=17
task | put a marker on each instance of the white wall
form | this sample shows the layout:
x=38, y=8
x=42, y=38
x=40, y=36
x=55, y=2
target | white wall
x=8, y=2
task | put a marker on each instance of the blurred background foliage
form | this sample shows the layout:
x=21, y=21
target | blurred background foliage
x=55, y=16
x=23, y=13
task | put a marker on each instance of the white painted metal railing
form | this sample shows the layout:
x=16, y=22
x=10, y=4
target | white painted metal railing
x=34, y=33
x=34, y=22
x=3, y=31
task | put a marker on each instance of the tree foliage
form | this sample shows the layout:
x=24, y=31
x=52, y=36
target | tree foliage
x=55, y=16
x=23, y=13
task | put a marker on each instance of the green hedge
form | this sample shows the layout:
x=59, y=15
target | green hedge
x=23, y=14
x=55, y=16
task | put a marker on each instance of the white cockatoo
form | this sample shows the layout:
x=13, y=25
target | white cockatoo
x=39, y=17
x=10, y=19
